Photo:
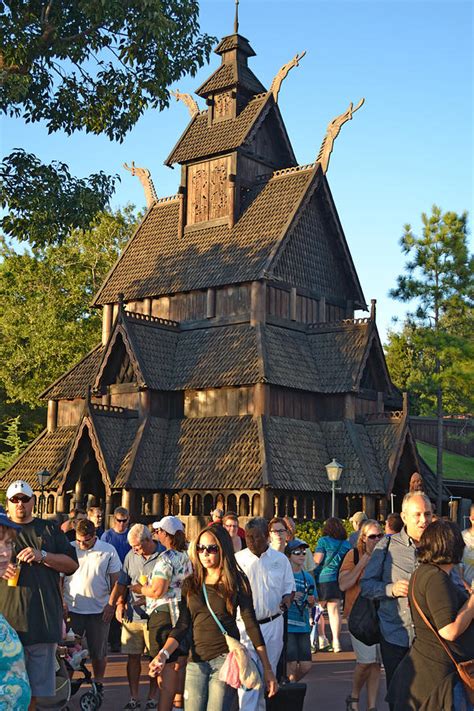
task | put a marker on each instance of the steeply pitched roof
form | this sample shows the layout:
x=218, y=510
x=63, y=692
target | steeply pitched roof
x=74, y=382
x=116, y=436
x=228, y=75
x=200, y=139
x=48, y=451
x=157, y=261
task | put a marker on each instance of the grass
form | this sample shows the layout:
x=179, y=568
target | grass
x=455, y=466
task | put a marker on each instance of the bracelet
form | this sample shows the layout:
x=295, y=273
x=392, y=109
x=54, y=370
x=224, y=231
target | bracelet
x=165, y=652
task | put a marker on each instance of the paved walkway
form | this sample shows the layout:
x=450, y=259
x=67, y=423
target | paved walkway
x=329, y=682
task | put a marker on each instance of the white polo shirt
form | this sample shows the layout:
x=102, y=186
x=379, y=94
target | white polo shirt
x=87, y=590
x=270, y=577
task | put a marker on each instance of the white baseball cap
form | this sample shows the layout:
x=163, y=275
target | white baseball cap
x=170, y=524
x=19, y=487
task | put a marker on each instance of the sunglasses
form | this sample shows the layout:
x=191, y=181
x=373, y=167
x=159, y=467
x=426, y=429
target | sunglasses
x=20, y=499
x=373, y=536
x=213, y=548
x=121, y=520
x=298, y=552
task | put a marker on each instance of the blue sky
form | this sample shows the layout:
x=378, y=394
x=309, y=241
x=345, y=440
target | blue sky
x=408, y=147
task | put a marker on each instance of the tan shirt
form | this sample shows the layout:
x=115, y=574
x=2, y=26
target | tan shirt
x=352, y=593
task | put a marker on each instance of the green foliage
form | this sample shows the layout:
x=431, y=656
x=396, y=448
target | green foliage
x=12, y=443
x=46, y=323
x=95, y=65
x=45, y=200
x=434, y=349
x=455, y=466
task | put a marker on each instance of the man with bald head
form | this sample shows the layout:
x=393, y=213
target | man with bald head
x=386, y=579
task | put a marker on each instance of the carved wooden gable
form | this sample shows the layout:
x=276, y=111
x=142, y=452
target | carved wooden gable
x=223, y=106
x=208, y=190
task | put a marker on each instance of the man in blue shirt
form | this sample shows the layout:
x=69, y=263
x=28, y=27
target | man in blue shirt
x=117, y=537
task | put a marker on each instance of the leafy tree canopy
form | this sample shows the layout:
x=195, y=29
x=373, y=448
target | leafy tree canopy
x=90, y=65
x=46, y=324
x=96, y=65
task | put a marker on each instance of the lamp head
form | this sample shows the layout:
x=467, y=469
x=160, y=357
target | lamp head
x=334, y=470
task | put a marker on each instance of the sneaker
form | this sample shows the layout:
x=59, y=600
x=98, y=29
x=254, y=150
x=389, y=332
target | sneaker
x=132, y=705
x=323, y=643
x=337, y=648
x=151, y=704
x=99, y=687
x=314, y=649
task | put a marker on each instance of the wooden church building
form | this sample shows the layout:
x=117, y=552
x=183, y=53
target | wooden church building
x=231, y=368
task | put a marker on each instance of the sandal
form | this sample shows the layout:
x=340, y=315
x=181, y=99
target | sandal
x=349, y=701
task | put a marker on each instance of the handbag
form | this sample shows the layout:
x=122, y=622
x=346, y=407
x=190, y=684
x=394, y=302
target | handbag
x=464, y=669
x=364, y=621
x=238, y=658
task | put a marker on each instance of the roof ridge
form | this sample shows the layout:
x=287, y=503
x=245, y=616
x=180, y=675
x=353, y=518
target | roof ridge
x=150, y=319
x=335, y=325
x=293, y=169
x=168, y=198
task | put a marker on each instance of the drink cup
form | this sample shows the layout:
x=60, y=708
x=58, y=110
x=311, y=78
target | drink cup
x=13, y=582
x=143, y=579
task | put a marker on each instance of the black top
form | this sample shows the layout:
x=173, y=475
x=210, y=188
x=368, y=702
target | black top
x=207, y=641
x=34, y=608
x=425, y=678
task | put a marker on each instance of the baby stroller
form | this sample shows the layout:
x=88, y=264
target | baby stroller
x=71, y=658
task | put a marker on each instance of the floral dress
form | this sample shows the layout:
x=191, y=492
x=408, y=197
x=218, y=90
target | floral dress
x=173, y=566
x=15, y=693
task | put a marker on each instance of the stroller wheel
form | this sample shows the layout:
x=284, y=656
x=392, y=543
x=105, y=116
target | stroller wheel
x=88, y=701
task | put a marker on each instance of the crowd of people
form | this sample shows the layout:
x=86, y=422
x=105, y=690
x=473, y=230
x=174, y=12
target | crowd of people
x=148, y=590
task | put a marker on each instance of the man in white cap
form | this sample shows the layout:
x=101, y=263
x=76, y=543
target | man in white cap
x=34, y=607
x=357, y=520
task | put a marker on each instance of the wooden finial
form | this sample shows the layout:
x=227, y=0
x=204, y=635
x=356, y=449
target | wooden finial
x=188, y=100
x=144, y=177
x=332, y=133
x=373, y=303
x=236, y=19
x=283, y=73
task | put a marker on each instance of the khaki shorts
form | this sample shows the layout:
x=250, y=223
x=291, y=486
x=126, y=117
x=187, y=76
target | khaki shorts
x=135, y=639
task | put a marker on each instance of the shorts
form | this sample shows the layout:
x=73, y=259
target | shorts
x=40, y=662
x=159, y=627
x=95, y=630
x=364, y=653
x=134, y=637
x=298, y=648
x=328, y=591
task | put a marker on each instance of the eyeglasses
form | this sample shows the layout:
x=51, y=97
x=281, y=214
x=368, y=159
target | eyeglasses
x=121, y=520
x=374, y=536
x=300, y=552
x=20, y=499
x=279, y=531
x=213, y=548
x=231, y=525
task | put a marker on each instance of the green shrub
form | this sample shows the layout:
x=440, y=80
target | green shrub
x=310, y=531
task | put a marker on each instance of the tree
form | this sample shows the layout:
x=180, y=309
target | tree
x=93, y=66
x=46, y=323
x=439, y=278
x=12, y=442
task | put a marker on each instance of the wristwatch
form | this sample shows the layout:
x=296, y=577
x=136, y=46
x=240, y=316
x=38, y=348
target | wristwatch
x=43, y=555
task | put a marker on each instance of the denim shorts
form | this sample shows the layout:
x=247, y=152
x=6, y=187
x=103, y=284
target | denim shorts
x=298, y=648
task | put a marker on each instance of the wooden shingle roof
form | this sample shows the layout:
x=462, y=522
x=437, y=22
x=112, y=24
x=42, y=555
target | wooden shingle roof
x=200, y=139
x=228, y=75
x=157, y=261
x=48, y=451
x=74, y=382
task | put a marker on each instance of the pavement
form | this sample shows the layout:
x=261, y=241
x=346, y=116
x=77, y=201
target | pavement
x=328, y=683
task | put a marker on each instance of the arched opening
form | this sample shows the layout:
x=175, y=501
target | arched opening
x=185, y=505
x=197, y=505
x=300, y=508
x=232, y=503
x=208, y=504
x=282, y=510
x=50, y=504
x=175, y=505
x=220, y=502
x=256, y=505
x=244, y=505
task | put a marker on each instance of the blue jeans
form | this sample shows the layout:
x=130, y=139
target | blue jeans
x=460, y=700
x=203, y=690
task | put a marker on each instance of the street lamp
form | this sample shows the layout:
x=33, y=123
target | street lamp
x=42, y=477
x=334, y=471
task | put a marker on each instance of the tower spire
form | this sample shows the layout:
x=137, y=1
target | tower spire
x=236, y=19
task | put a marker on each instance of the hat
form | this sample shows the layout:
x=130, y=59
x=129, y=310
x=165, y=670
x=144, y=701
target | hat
x=218, y=512
x=170, y=524
x=358, y=518
x=19, y=487
x=5, y=521
x=294, y=544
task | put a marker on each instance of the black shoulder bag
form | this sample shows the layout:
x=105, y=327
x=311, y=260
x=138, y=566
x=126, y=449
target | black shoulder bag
x=364, y=619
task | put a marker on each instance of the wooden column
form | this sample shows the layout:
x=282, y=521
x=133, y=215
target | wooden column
x=257, y=303
x=261, y=399
x=157, y=505
x=61, y=503
x=349, y=406
x=380, y=405
x=107, y=319
x=52, y=418
x=293, y=303
x=144, y=403
x=147, y=306
x=211, y=303
x=322, y=309
x=108, y=508
x=78, y=493
x=266, y=503
x=368, y=505
x=128, y=500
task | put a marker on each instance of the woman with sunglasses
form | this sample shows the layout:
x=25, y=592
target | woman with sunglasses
x=367, y=668
x=226, y=587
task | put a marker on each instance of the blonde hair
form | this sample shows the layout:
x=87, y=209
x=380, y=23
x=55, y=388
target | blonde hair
x=361, y=541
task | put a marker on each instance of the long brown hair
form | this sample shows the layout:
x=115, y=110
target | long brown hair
x=361, y=540
x=231, y=578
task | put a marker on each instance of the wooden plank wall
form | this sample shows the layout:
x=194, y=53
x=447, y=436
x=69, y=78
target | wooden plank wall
x=219, y=402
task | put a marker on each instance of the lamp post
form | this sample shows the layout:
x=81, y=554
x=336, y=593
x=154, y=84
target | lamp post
x=392, y=497
x=334, y=471
x=42, y=477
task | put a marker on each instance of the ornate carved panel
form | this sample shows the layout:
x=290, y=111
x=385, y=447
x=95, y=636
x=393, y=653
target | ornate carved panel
x=208, y=194
x=223, y=105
